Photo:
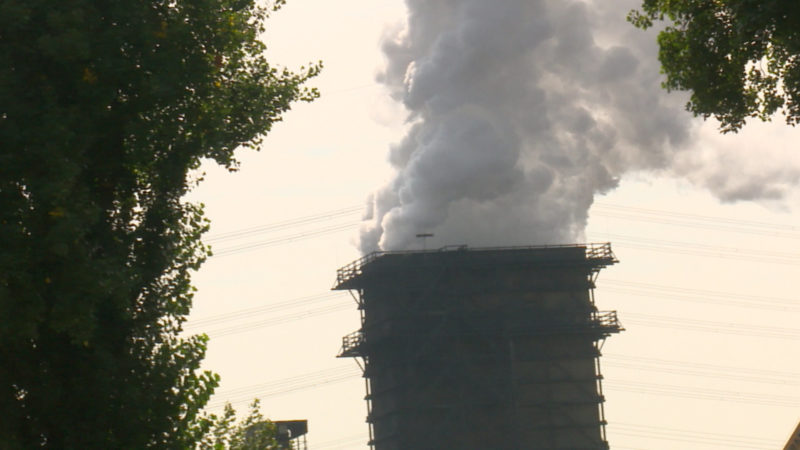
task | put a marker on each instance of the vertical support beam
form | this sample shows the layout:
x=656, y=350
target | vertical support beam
x=369, y=409
x=601, y=412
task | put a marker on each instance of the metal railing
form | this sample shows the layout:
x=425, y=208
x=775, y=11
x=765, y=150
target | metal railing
x=606, y=320
x=600, y=252
x=351, y=344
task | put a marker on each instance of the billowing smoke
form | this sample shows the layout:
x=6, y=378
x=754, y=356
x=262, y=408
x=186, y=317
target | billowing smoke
x=520, y=111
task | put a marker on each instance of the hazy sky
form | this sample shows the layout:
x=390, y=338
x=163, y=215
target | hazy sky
x=566, y=94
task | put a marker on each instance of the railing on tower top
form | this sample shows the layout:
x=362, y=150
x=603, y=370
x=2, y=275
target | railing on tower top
x=600, y=252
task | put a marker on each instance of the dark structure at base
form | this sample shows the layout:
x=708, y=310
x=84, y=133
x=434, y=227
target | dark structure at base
x=292, y=434
x=481, y=348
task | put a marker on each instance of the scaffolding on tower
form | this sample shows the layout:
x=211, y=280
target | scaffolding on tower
x=481, y=348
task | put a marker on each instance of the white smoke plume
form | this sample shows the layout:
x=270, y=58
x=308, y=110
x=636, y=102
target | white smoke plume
x=520, y=111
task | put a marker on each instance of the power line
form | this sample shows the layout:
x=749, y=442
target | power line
x=735, y=438
x=711, y=326
x=666, y=246
x=634, y=430
x=691, y=364
x=696, y=221
x=706, y=371
x=700, y=393
x=309, y=378
x=272, y=307
x=693, y=440
x=638, y=288
x=346, y=441
x=633, y=318
x=629, y=212
x=699, y=249
x=698, y=217
x=286, y=239
x=333, y=375
x=717, y=297
x=278, y=320
x=285, y=385
x=694, y=299
x=288, y=223
x=657, y=321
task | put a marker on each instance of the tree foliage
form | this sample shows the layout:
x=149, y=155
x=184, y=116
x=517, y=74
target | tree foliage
x=251, y=433
x=106, y=109
x=739, y=59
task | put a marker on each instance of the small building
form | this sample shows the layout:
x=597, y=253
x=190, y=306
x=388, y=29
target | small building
x=292, y=434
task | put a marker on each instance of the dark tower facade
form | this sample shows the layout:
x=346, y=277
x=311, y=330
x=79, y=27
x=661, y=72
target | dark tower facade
x=486, y=348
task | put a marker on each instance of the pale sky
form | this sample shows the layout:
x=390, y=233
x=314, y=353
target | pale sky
x=704, y=285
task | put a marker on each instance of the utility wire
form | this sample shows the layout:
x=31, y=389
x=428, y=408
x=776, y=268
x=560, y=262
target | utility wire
x=699, y=249
x=343, y=442
x=697, y=222
x=279, y=320
x=605, y=209
x=303, y=379
x=286, y=239
x=657, y=321
x=704, y=373
x=780, y=375
x=694, y=299
x=285, y=386
x=705, y=435
x=630, y=318
x=338, y=374
x=693, y=440
x=711, y=326
x=701, y=393
x=288, y=223
x=697, y=217
x=696, y=365
x=620, y=240
x=664, y=246
x=340, y=302
x=270, y=308
x=643, y=290
x=634, y=430
x=717, y=297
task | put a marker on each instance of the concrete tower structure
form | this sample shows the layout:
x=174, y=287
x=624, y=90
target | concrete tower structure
x=481, y=348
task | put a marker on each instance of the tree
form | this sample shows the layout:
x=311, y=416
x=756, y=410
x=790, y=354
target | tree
x=251, y=433
x=738, y=58
x=107, y=108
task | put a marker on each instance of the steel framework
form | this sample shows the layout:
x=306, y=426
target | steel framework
x=481, y=348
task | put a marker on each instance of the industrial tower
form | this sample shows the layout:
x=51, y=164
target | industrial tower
x=481, y=348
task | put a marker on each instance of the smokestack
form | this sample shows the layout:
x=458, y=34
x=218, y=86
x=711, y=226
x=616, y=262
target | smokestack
x=481, y=348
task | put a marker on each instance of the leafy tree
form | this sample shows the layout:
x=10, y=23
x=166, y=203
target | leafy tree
x=738, y=58
x=252, y=433
x=106, y=109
